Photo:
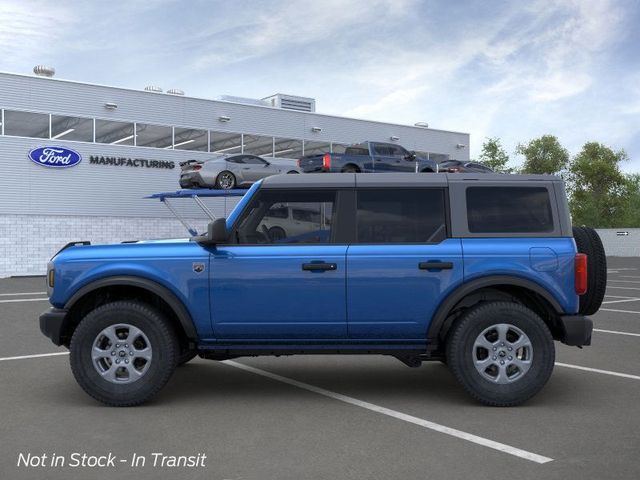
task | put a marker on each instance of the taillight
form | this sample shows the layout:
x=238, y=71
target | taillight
x=581, y=281
x=454, y=169
x=326, y=161
x=299, y=160
x=197, y=167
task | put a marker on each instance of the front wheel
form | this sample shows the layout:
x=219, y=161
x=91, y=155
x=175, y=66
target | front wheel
x=501, y=352
x=123, y=353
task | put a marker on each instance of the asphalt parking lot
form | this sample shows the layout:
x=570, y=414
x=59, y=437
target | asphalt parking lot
x=329, y=417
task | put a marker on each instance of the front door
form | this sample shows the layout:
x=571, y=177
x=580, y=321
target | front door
x=281, y=280
x=402, y=264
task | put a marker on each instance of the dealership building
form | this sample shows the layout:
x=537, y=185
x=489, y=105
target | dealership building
x=127, y=144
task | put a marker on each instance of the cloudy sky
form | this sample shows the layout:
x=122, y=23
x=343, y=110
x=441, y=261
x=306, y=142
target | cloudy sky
x=515, y=70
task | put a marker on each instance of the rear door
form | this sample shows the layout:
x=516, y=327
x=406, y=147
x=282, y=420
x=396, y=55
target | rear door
x=402, y=264
x=289, y=285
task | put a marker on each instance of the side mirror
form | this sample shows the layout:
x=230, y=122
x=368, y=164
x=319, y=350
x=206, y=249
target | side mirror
x=410, y=156
x=216, y=233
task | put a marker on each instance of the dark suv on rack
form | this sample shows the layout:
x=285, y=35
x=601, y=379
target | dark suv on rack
x=482, y=272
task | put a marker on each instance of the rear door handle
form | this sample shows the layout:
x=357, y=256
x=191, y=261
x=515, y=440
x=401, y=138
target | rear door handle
x=435, y=265
x=314, y=267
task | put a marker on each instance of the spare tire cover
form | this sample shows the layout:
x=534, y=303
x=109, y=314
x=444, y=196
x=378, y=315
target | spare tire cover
x=588, y=242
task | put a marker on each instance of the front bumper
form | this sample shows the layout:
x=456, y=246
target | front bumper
x=53, y=323
x=576, y=330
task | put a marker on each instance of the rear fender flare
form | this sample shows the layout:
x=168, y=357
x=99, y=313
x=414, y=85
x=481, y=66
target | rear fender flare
x=440, y=317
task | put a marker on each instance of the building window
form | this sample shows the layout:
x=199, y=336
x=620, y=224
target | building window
x=26, y=124
x=157, y=136
x=287, y=148
x=225, y=143
x=115, y=133
x=71, y=128
x=190, y=139
x=316, y=148
x=258, y=145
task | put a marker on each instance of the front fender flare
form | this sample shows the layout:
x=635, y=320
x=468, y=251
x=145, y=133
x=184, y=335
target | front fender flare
x=181, y=312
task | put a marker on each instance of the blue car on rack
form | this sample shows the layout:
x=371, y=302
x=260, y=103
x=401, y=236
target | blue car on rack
x=482, y=272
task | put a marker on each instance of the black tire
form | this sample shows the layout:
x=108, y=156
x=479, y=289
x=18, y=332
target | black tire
x=164, y=348
x=588, y=242
x=186, y=356
x=277, y=233
x=350, y=169
x=291, y=172
x=460, y=353
x=226, y=180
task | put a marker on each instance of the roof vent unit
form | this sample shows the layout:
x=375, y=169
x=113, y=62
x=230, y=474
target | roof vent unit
x=175, y=91
x=243, y=100
x=44, y=71
x=291, y=102
x=153, y=88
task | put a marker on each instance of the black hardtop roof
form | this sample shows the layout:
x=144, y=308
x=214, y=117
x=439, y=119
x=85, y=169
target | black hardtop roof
x=327, y=180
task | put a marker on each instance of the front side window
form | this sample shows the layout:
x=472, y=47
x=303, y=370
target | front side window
x=267, y=219
x=251, y=160
x=509, y=210
x=401, y=216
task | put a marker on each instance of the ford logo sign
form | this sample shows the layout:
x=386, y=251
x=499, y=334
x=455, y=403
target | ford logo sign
x=56, y=157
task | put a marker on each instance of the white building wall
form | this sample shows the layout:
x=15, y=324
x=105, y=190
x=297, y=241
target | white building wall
x=620, y=245
x=27, y=242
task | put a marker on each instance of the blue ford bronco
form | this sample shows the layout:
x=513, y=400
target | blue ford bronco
x=479, y=271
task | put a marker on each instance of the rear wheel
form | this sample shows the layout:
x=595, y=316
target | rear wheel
x=225, y=180
x=276, y=234
x=350, y=169
x=588, y=242
x=501, y=352
x=290, y=172
x=123, y=353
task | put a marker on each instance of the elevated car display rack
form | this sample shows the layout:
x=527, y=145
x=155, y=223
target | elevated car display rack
x=196, y=195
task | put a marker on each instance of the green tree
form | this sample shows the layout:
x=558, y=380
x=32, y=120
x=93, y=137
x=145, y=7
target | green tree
x=631, y=215
x=600, y=192
x=494, y=156
x=543, y=155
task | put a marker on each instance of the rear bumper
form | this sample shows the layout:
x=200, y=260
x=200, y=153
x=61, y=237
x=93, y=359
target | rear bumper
x=52, y=324
x=576, y=330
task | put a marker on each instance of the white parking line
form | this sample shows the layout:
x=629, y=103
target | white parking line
x=485, y=442
x=622, y=288
x=620, y=301
x=629, y=276
x=616, y=332
x=22, y=293
x=597, y=370
x=623, y=281
x=618, y=311
x=17, y=300
x=24, y=357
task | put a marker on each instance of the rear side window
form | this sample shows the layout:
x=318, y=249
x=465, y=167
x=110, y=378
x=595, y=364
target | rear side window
x=509, y=210
x=401, y=216
x=356, y=151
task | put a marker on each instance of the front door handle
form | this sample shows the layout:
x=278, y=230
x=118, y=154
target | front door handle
x=315, y=267
x=435, y=265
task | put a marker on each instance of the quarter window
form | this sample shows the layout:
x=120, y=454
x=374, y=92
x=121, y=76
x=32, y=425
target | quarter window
x=267, y=220
x=509, y=210
x=401, y=216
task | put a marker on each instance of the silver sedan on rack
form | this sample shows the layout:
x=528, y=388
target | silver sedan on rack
x=229, y=171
